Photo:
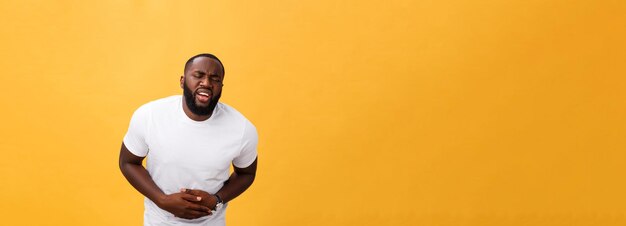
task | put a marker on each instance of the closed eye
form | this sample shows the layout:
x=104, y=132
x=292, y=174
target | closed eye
x=198, y=74
x=215, y=78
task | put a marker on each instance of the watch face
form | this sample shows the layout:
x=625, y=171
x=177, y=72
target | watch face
x=218, y=206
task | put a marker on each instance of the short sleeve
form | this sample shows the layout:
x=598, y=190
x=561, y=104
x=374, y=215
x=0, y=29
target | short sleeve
x=135, y=138
x=248, y=152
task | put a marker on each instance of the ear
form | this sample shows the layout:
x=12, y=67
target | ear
x=181, y=81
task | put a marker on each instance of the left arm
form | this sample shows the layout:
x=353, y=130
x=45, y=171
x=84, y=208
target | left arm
x=238, y=182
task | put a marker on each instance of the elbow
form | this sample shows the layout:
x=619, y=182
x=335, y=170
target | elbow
x=122, y=166
x=251, y=177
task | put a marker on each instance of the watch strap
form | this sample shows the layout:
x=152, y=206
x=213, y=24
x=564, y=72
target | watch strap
x=219, y=199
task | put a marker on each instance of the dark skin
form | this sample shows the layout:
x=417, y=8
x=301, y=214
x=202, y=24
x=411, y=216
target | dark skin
x=204, y=73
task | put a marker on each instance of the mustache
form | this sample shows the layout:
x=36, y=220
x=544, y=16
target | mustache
x=210, y=91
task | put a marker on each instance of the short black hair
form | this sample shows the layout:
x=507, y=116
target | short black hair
x=188, y=63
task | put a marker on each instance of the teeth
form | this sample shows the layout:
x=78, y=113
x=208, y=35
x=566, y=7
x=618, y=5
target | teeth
x=204, y=94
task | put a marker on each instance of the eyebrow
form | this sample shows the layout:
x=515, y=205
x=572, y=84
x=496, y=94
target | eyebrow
x=203, y=73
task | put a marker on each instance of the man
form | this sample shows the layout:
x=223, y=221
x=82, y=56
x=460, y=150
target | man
x=190, y=141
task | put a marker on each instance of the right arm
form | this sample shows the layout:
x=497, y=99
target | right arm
x=179, y=204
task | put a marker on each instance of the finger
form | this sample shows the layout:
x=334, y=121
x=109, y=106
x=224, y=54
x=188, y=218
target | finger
x=189, y=191
x=191, y=198
x=183, y=215
x=198, y=207
x=192, y=192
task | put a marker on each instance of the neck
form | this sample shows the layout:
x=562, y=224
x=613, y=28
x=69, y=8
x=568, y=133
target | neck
x=193, y=116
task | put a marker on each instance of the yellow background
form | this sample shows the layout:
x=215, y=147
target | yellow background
x=391, y=112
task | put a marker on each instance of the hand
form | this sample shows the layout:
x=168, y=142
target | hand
x=207, y=199
x=184, y=205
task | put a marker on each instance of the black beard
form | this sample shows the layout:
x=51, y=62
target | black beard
x=190, y=101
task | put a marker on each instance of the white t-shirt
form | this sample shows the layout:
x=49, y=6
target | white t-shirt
x=183, y=153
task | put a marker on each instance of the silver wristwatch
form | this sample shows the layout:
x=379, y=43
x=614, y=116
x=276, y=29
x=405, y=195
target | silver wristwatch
x=219, y=204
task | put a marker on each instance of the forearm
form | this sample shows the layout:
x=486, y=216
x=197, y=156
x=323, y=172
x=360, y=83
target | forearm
x=239, y=181
x=140, y=179
x=236, y=184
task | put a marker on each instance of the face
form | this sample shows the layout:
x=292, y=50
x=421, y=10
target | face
x=202, y=85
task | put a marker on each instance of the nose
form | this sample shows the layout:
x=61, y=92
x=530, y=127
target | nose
x=205, y=81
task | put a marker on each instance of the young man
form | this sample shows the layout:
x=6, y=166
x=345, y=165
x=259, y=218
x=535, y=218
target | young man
x=190, y=142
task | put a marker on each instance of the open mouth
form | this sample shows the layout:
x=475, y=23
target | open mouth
x=203, y=95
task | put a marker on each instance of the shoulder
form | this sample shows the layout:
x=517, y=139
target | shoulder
x=233, y=115
x=230, y=112
x=156, y=107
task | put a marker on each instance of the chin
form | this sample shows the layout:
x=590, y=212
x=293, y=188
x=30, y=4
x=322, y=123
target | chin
x=201, y=105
